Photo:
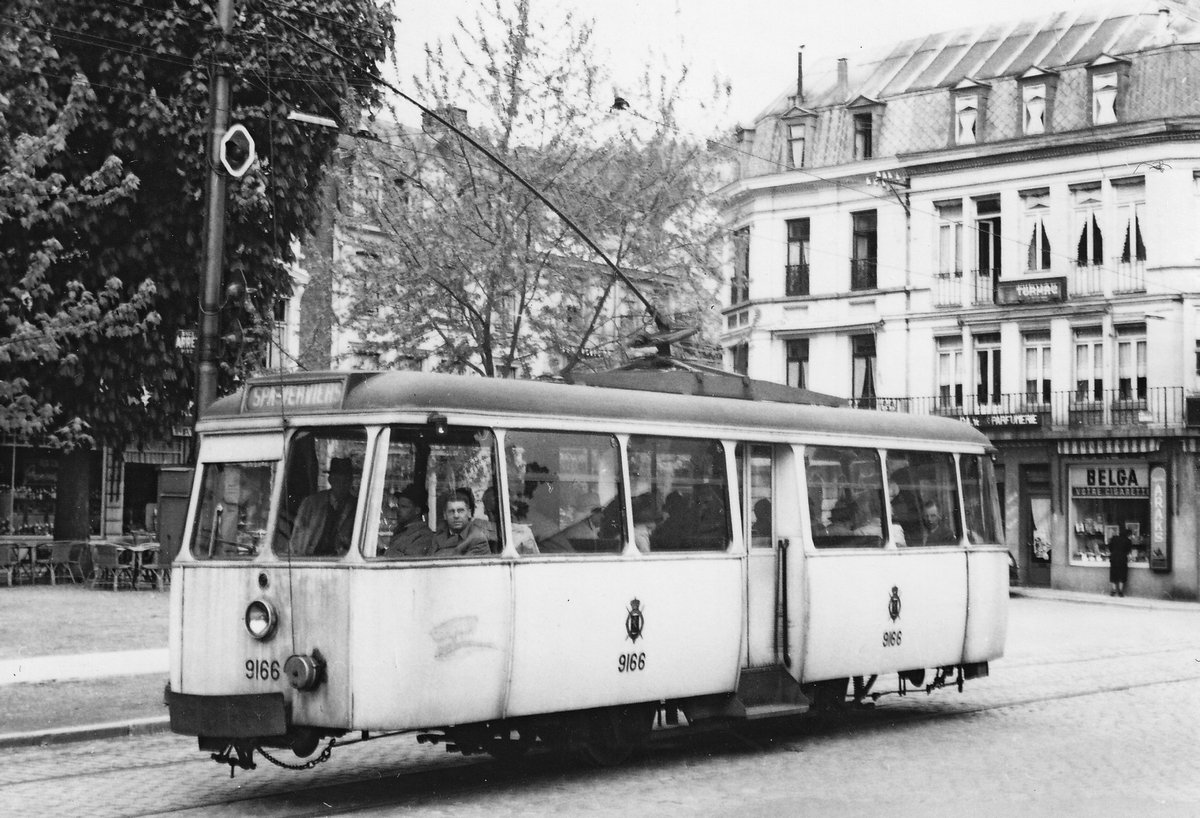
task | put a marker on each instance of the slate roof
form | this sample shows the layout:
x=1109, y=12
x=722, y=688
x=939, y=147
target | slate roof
x=991, y=50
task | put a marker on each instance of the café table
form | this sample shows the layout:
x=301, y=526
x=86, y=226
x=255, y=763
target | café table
x=140, y=554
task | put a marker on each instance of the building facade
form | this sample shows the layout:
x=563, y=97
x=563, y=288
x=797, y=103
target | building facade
x=1001, y=224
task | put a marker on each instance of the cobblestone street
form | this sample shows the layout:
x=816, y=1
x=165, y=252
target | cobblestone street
x=1095, y=711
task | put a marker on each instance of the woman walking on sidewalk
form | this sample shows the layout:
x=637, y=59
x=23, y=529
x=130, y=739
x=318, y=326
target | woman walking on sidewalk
x=1118, y=562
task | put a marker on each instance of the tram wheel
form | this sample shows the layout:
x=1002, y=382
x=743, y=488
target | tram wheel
x=615, y=732
x=510, y=746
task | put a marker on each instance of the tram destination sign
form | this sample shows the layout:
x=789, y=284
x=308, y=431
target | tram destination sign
x=312, y=396
x=1037, y=291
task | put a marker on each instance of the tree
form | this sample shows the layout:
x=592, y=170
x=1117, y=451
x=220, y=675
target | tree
x=462, y=258
x=101, y=246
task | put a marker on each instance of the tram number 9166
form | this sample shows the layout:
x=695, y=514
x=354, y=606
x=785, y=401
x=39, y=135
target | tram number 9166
x=891, y=639
x=263, y=670
x=631, y=662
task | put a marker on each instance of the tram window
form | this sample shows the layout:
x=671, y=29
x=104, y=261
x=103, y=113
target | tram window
x=427, y=469
x=924, y=491
x=565, y=492
x=845, y=496
x=689, y=475
x=320, y=492
x=231, y=522
x=979, y=498
x=754, y=486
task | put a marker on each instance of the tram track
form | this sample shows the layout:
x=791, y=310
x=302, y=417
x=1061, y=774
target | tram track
x=402, y=779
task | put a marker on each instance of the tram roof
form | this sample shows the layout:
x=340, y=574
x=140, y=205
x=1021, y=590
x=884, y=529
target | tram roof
x=306, y=394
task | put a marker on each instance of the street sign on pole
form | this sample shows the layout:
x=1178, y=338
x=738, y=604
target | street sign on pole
x=243, y=143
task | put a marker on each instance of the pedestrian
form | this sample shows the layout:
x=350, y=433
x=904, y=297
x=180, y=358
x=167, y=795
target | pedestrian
x=1118, y=562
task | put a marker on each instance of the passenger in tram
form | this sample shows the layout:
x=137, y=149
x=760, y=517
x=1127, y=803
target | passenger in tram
x=935, y=531
x=463, y=535
x=841, y=518
x=491, y=511
x=524, y=540
x=906, y=511
x=762, y=519
x=710, y=519
x=645, y=518
x=411, y=537
x=816, y=513
x=673, y=533
x=325, y=520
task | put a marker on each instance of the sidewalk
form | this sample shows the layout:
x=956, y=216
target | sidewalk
x=78, y=664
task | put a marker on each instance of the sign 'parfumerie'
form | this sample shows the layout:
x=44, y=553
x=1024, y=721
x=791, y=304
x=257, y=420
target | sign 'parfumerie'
x=295, y=396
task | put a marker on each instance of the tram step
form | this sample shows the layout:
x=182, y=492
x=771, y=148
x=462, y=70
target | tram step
x=769, y=686
x=763, y=711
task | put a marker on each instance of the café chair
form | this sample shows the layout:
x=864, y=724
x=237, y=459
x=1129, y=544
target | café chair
x=66, y=557
x=11, y=565
x=107, y=565
x=152, y=570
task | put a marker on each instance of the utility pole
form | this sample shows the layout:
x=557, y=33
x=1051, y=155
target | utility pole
x=214, y=248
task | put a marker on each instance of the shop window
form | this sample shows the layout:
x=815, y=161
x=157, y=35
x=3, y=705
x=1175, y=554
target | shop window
x=685, y=482
x=1036, y=207
x=739, y=283
x=987, y=369
x=845, y=497
x=923, y=491
x=862, y=370
x=1131, y=362
x=755, y=469
x=1106, y=499
x=796, y=350
x=1089, y=365
x=864, y=251
x=1037, y=367
x=796, y=272
x=565, y=492
x=950, y=372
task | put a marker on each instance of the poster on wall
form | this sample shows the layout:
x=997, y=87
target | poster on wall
x=1160, y=543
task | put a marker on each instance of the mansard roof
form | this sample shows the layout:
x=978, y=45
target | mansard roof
x=1078, y=36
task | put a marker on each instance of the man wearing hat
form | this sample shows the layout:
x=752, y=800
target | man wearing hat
x=412, y=537
x=325, y=520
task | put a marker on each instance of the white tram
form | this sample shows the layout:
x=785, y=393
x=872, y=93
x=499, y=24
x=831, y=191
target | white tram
x=624, y=555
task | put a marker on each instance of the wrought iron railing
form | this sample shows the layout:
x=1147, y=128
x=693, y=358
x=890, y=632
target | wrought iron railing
x=862, y=274
x=1156, y=407
x=947, y=289
x=984, y=286
x=796, y=279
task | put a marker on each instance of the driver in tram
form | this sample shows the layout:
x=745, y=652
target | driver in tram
x=325, y=520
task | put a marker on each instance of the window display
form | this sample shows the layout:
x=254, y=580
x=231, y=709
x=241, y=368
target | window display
x=1106, y=500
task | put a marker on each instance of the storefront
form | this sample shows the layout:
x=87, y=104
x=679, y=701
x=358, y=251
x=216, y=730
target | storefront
x=1106, y=499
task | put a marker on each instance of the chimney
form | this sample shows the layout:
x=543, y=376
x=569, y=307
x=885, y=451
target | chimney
x=800, y=77
x=843, y=78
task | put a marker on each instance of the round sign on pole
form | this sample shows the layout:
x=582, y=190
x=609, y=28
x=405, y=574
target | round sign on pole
x=243, y=141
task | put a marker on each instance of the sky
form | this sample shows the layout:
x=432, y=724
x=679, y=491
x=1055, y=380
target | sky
x=751, y=43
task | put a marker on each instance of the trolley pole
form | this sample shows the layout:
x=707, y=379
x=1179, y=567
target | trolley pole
x=214, y=247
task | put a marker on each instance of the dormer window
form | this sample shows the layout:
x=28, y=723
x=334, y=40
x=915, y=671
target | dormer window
x=1036, y=101
x=1107, y=76
x=1034, y=119
x=864, y=144
x=969, y=105
x=800, y=124
x=966, y=120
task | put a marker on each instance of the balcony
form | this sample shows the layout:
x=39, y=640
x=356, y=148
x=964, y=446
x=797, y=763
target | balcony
x=796, y=279
x=1159, y=408
x=984, y=287
x=1130, y=276
x=1087, y=279
x=947, y=289
x=862, y=274
x=1119, y=277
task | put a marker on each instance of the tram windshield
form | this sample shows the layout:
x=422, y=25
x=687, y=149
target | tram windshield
x=979, y=499
x=231, y=521
x=320, y=492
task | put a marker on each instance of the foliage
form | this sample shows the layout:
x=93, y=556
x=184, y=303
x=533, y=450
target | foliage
x=461, y=260
x=104, y=265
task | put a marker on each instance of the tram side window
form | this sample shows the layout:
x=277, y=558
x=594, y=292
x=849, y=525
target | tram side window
x=565, y=492
x=690, y=478
x=754, y=465
x=924, y=497
x=845, y=496
x=979, y=499
x=320, y=493
x=231, y=521
x=440, y=493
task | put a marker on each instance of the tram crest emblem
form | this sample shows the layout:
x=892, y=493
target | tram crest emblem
x=634, y=620
x=894, y=604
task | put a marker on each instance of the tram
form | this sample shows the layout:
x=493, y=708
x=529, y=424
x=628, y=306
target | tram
x=494, y=564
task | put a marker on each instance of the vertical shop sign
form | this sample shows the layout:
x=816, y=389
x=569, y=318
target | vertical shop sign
x=1160, y=544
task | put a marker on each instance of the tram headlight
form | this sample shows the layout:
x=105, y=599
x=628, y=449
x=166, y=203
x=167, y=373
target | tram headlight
x=261, y=619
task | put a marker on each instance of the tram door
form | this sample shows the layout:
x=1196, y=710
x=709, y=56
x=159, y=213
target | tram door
x=761, y=482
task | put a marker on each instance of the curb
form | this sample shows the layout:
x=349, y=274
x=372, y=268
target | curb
x=90, y=732
x=1082, y=597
